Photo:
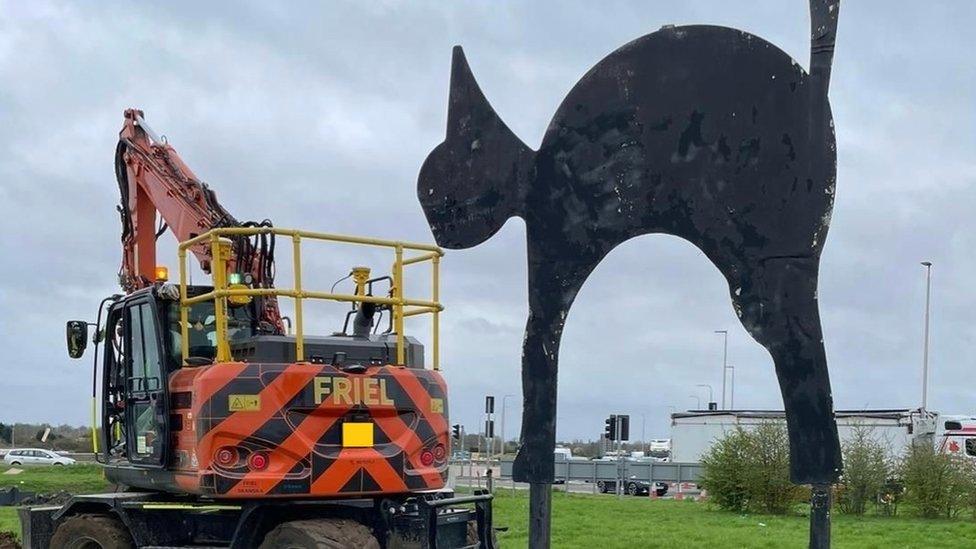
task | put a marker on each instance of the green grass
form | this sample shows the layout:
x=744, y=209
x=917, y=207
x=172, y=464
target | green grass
x=581, y=520
x=9, y=521
x=76, y=479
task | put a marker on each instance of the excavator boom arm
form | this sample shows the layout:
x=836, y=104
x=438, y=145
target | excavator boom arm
x=153, y=179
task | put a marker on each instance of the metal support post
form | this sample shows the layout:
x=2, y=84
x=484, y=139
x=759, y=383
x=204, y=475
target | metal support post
x=820, y=517
x=540, y=515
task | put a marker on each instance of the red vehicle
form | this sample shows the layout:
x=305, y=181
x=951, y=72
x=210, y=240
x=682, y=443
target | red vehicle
x=226, y=429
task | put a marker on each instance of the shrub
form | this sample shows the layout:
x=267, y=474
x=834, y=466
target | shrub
x=750, y=470
x=865, y=471
x=938, y=485
x=725, y=468
x=772, y=489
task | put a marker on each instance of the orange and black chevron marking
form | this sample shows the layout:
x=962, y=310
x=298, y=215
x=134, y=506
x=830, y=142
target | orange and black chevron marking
x=295, y=416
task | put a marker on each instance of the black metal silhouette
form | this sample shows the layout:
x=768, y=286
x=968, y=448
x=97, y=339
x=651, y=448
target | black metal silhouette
x=703, y=132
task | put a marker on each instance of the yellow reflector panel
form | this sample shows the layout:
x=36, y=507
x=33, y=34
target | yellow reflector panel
x=357, y=435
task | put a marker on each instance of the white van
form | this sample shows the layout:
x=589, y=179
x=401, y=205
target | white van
x=956, y=435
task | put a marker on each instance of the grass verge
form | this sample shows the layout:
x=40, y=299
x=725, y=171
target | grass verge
x=581, y=520
x=77, y=479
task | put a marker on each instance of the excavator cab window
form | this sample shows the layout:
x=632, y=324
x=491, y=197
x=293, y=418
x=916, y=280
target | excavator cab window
x=145, y=380
x=202, y=330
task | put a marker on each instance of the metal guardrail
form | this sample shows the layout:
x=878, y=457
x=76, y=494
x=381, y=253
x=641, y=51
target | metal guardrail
x=402, y=307
x=594, y=471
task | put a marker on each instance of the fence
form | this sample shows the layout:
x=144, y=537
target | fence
x=593, y=471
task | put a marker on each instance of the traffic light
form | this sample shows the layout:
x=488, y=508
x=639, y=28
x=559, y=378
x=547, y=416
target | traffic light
x=610, y=430
x=624, y=433
x=489, y=404
x=456, y=431
x=490, y=429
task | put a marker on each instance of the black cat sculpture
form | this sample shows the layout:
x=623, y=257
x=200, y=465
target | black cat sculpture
x=703, y=132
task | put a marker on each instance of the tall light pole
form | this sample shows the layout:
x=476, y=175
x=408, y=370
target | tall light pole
x=504, y=404
x=725, y=361
x=711, y=395
x=643, y=432
x=925, y=352
x=732, y=388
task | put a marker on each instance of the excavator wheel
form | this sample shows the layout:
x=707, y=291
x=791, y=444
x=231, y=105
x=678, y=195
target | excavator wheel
x=473, y=534
x=321, y=534
x=92, y=532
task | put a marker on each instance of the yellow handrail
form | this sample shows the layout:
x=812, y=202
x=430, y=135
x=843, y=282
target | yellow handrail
x=400, y=305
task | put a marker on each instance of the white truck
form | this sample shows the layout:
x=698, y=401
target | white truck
x=694, y=432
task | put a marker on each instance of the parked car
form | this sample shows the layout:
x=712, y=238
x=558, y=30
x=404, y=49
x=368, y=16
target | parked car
x=634, y=487
x=30, y=456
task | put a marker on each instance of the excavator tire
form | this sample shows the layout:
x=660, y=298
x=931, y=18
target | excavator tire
x=321, y=534
x=92, y=532
x=473, y=535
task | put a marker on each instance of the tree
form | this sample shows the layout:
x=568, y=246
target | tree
x=865, y=471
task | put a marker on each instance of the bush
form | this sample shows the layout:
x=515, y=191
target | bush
x=938, y=485
x=724, y=471
x=969, y=471
x=750, y=470
x=865, y=471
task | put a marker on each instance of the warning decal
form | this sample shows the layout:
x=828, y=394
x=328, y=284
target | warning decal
x=244, y=403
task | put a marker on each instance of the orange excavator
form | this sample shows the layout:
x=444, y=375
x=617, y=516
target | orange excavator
x=223, y=423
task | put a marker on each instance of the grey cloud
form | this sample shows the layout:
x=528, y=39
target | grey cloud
x=320, y=115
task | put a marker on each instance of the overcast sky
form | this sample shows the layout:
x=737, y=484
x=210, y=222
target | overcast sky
x=320, y=116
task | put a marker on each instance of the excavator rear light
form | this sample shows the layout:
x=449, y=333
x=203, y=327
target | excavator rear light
x=440, y=452
x=427, y=458
x=258, y=461
x=226, y=456
x=162, y=273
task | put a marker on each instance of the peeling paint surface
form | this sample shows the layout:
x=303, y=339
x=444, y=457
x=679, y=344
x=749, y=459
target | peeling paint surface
x=649, y=141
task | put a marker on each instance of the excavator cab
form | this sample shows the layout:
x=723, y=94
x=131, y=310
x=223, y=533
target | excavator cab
x=134, y=393
x=143, y=344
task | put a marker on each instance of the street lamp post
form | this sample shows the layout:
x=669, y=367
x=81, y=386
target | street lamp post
x=925, y=352
x=643, y=432
x=732, y=388
x=504, y=404
x=725, y=360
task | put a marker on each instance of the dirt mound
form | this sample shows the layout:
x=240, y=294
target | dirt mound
x=56, y=498
x=9, y=541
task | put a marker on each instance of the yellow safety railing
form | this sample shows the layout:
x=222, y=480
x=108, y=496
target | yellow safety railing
x=402, y=307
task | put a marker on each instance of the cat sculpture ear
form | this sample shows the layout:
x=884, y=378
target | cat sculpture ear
x=476, y=179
